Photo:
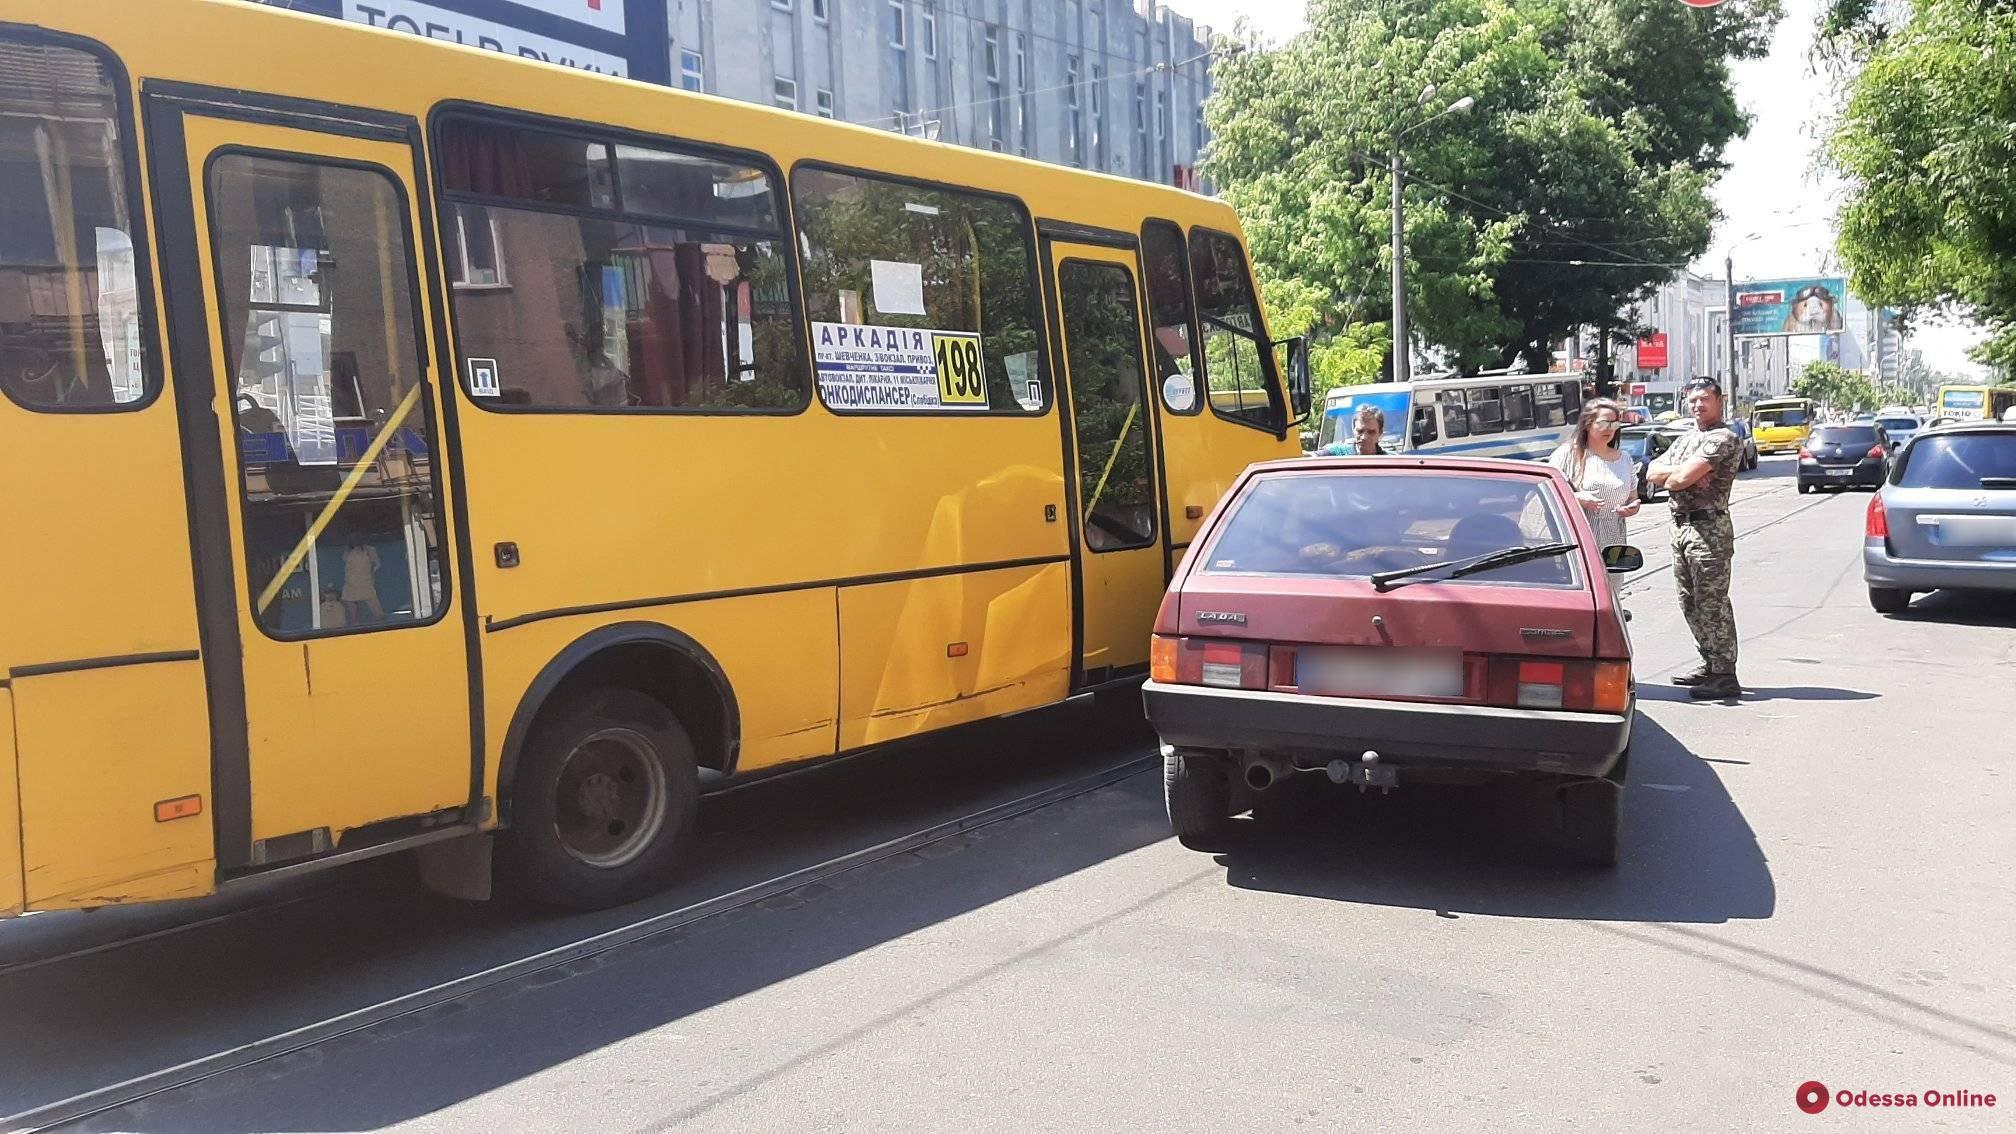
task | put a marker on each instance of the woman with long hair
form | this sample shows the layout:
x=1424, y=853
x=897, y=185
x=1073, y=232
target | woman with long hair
x=1604, y=475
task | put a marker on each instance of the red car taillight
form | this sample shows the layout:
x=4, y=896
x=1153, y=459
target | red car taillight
x=1876, y=450
x=1546, y=683
x=1876, y=522
x=1805, y=454
x=1208, y=661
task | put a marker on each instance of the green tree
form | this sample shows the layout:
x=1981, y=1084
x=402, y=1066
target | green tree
x=1596, y=129
x=1926, y=146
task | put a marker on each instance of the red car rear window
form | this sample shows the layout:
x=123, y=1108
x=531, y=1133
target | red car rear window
x=1352, y=525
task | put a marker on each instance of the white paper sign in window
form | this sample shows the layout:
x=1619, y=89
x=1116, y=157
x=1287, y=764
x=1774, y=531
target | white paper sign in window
x=899, y=287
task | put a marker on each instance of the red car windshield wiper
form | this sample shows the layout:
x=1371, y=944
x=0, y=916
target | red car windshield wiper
x=1457, y=568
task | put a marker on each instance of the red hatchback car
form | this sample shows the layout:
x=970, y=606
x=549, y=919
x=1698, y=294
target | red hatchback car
x=1386, y=620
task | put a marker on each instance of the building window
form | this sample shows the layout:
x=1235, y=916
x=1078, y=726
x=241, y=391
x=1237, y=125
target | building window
x=690, y=75
x=823, y=99
x=1197, y=131
x=1141, y=108
x=927, y=30
x=970, y=262
x=1021, y=63
x=819, y=10
x=1073, y=20
x=994, y=116
x=781, y=5
x=990, y=50
x=899, y=37
x=784, y=92
x=1161, y=116
x=1098, y=113
x=1071, y=81
x=680, y=300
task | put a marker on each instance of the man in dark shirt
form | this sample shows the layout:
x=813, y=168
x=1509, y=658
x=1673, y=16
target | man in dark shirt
x=1697, y=473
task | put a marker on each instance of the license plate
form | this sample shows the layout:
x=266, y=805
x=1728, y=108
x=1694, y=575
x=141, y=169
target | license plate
x=1345, y=672
x=1840, y=472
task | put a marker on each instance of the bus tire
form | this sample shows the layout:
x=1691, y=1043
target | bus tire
x=603, y=804
x=1197, y=790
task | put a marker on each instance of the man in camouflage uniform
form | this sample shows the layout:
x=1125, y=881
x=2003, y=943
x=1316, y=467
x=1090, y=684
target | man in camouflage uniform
x=1698, y=472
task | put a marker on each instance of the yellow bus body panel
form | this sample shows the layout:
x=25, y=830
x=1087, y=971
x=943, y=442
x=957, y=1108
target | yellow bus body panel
x=899, y=675
x=99, y=748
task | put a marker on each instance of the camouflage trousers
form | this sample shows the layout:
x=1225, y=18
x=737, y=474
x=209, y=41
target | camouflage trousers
x=1702, y=556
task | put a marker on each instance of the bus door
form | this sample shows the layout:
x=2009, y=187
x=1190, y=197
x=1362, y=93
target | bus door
x=1111, y=451
x=338, y=664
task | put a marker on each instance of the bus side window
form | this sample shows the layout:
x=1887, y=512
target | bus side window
x=955, y=265
x=678, y=300
x=1487, y=415
x=1455, y=417
x=1238, y=373
x=1518, y=407
x=1171, y=317
x=1571, y=399
x=1424, y=432
x=1547, y=399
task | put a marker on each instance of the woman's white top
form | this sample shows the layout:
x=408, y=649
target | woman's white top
x=1612, y=479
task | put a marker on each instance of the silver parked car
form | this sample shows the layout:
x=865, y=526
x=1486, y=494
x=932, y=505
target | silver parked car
x=1945, y=518
x=1901, y=427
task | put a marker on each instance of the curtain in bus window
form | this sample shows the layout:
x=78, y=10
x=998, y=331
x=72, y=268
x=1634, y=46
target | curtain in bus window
x=886, y=254
x=70, y=330
x=1240, y=383
x=334, y=438
x=609, y=309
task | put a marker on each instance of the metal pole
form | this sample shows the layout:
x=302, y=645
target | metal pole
x=1729, y=316
x=1402, y=367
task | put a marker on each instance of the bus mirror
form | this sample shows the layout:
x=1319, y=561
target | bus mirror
x=1298, y=376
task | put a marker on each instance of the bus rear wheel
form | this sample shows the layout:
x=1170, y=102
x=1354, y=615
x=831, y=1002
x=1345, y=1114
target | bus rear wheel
x=604, y=803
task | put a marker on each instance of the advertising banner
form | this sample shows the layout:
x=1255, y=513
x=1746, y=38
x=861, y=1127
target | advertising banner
x=1652, y=351
x=1791, y=307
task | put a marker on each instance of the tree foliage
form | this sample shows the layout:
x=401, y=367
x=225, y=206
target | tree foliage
x=1927, y=147
x=1831, y=386
x=1596, y=130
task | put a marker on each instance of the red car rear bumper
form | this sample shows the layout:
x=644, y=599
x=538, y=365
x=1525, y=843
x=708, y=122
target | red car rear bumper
x=1405, y=734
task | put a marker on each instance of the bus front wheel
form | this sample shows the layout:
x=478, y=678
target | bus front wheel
x=604, y=804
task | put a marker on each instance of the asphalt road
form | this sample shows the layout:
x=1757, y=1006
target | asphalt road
x=1817, y=884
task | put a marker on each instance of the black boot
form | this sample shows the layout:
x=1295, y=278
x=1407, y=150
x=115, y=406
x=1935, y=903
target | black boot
x=1697, y=677
x=1717, y=687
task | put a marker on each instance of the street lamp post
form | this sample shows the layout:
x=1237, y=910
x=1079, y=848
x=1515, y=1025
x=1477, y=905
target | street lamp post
x=1402, y=364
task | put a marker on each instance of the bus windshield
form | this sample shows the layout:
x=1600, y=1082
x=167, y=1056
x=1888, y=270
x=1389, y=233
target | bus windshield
x=1788, y=415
